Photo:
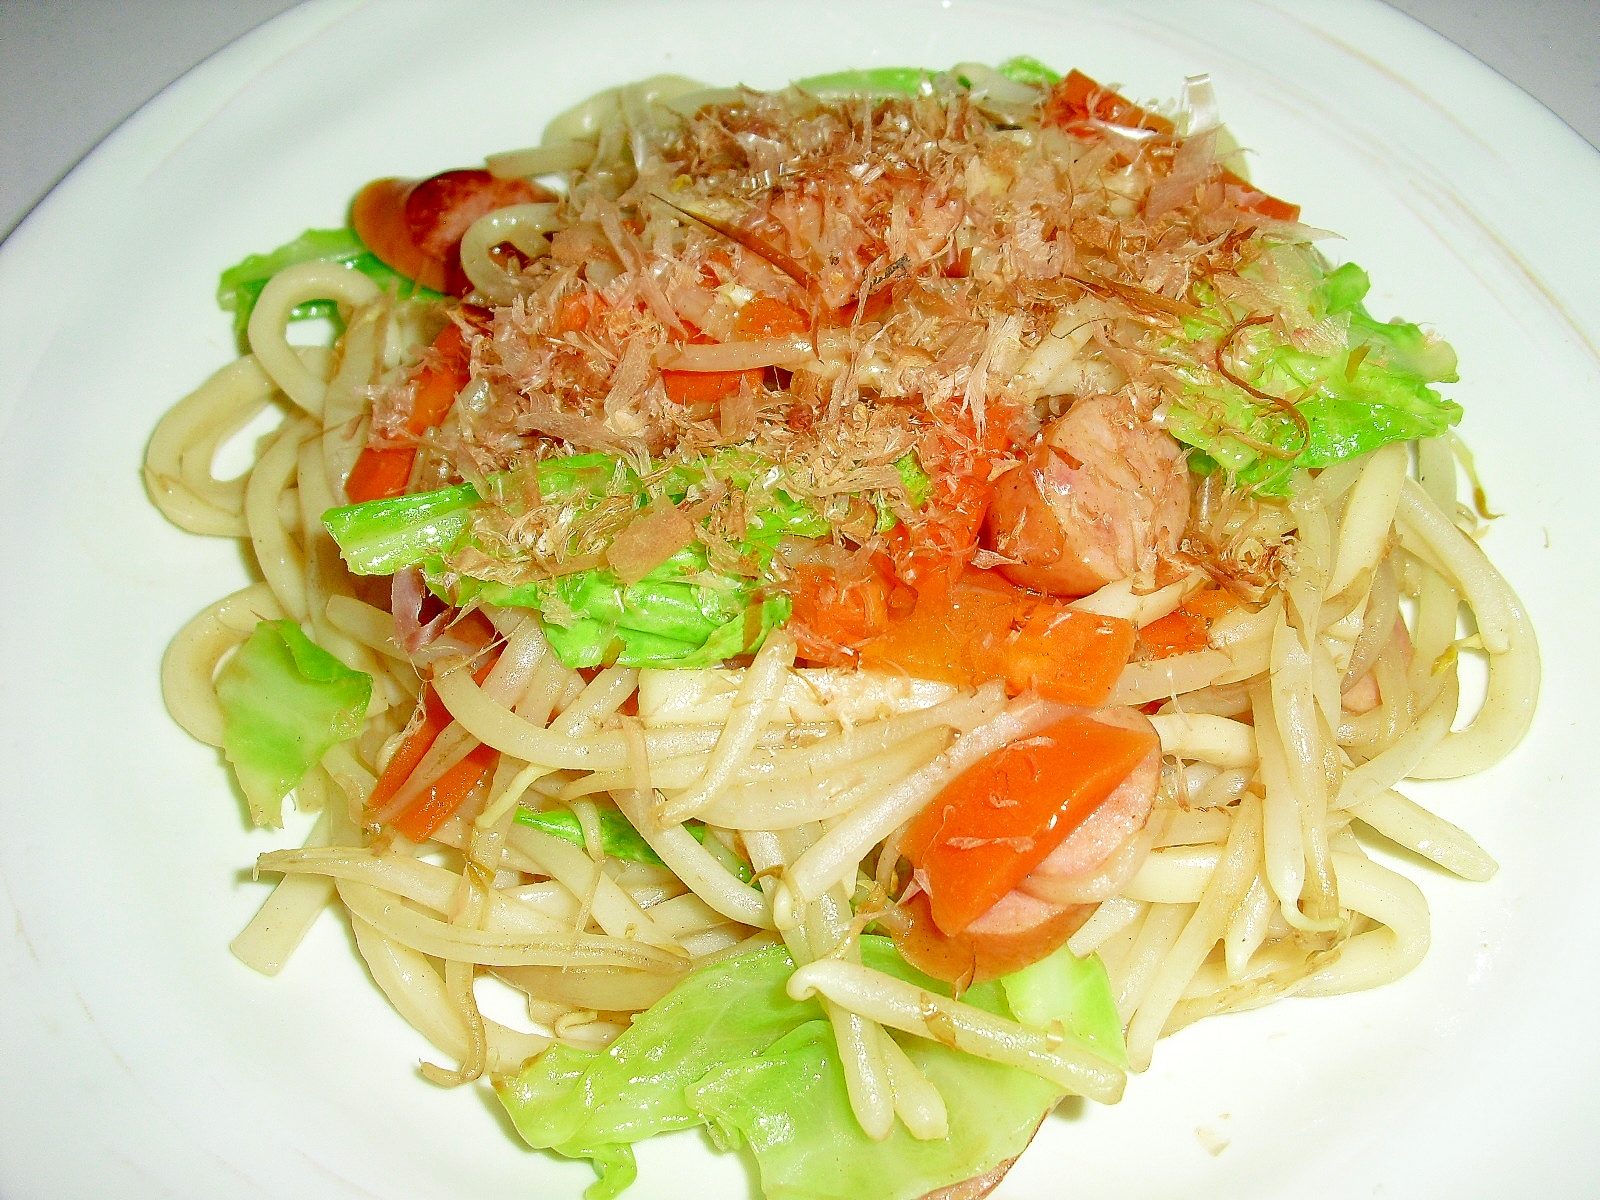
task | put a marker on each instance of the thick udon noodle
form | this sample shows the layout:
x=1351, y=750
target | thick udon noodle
x=1249, y=883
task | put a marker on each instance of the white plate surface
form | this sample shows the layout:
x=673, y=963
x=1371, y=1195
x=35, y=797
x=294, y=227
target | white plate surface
x=137, y=1058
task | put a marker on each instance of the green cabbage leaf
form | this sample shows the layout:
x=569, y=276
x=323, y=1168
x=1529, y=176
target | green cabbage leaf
x=619, y=839
x=285, y=703
x=241, y=284
x=727, y=1048
x=1357, y=383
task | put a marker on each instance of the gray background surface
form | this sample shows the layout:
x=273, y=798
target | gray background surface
x=72, y=70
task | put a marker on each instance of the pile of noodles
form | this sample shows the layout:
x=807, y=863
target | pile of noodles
x=1249, y=883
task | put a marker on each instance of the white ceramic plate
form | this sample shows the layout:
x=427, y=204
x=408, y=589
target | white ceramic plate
x=137, y=1058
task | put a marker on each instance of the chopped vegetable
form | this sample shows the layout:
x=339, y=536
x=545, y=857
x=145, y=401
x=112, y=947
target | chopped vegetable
x=430, y=721
x=1361, y=387
x=982, y=628
x=682, y=613
x=837, y=609
x=1079, y=104
x=791, y=1105
x=379, y=537
x=999, y=819
x=588, y=1104
x=423, y=815
x=1067, y=655
x=706, y=387
x=1187, y=628
x=1078, y=101
x=446, y=794
x=620, y=840
x=1210, y=604
x=1024, y=69
x=1073, y=991
x=285, y=703
x=576, y=310
x=729, y=1048
x=933, y=552
x=764, y=317
x=761, y=317
x=1252, y=199
x=877, y=81
x=242, y=283
x=384, y=471
x=1179, y=632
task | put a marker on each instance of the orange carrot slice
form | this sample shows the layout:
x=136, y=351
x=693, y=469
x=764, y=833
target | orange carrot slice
x=1078, y=100
x=1066, y=655
x=1078, y=103
x=764, y=317
x=705, y=387
x=835, y=612
x=432, y=719
x=1178, y=632
x=980, y=628
x=1002, y=817
x=1187, y=629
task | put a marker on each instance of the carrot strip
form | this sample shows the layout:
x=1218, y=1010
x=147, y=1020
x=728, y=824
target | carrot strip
x=931, y=552
x=761, y=317
x=878, y=302
x=435, y=718
x=833, y=613
x=379, y=473
x=1252, y=199
x=1003, y=816
x=1077, y=99
x=576, y=311
x=430, y=810
x=382, y=472
x=1211, y=603
x=438, y=386
x=953, y=634
x=1078, y=102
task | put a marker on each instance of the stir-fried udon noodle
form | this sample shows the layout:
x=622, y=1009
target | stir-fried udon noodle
x=800, y=455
